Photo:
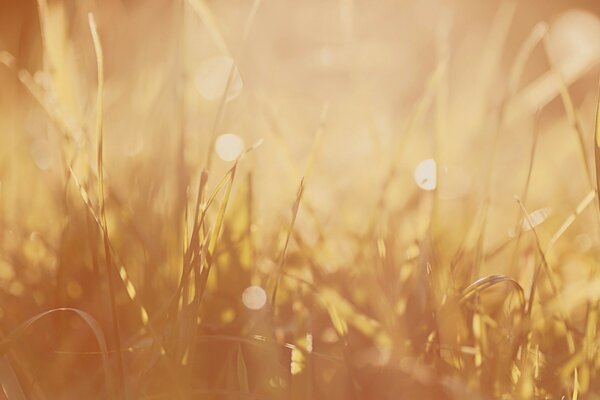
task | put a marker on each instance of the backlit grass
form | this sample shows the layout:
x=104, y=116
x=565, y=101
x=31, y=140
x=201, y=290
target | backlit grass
x=299, y=200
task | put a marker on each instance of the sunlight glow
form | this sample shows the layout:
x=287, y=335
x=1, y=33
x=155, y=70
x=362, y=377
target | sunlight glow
x=229, y=146
x=425, y=174
x=330, y=200
x=536, y=217
x=297, y=362
x=571, y=37
x=212, y=76
x=254, y=297
x=227, y=315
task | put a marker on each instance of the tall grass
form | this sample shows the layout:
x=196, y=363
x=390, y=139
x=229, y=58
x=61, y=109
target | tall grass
x=139, y=262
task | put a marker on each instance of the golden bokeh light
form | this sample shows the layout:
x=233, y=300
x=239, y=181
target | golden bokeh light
x=254, y=297
x=426, y=174
x=316, y=199
x=229, y=146
x=535, y=218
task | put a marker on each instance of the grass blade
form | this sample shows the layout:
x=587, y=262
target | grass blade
x=242, y=372
x=7, y=343
x=597, y=147
x=100, y=138
x=9, y=381
x=551, y=279
x=210, y=22
x=489, y=281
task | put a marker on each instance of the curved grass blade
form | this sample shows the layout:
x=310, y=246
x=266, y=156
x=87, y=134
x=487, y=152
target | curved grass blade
x=7, y=343
x=491, y=280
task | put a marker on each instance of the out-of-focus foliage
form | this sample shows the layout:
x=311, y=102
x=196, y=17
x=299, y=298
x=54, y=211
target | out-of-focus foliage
x=264, y=199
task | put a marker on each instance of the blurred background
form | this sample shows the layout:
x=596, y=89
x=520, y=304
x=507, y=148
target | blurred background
x=414, y=124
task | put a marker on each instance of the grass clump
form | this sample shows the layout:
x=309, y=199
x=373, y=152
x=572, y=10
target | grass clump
x=277, y=242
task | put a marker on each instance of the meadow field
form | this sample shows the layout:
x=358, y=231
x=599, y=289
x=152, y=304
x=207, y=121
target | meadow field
x=299, y=199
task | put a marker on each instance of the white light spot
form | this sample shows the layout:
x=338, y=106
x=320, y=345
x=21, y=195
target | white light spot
x=425, y=174
x=254, y=297
x=212, y=76
x=229, y=146
x=535, y=218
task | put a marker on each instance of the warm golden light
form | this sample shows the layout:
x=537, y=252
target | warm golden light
x=229, y=146
x=535, y=218
x=254, y=297
x=425, y=174
x=306, y=200
x=212, y=77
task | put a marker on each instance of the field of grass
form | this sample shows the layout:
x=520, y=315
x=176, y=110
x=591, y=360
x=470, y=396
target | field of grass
x=283, y=199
